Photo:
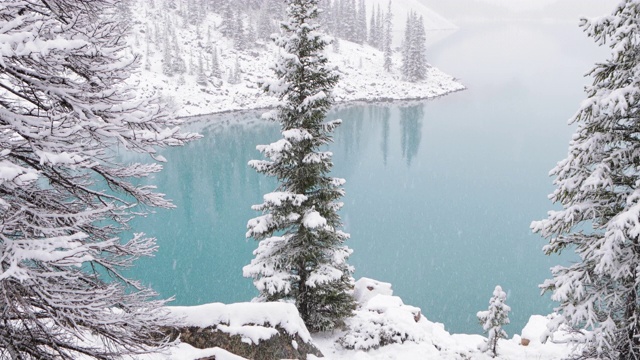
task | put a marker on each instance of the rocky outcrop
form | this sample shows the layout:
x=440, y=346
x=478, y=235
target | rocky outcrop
x=258, y=331
x=279, y=346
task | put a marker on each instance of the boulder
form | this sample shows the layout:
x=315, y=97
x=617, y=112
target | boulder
x=279, y=346
x=260, y=331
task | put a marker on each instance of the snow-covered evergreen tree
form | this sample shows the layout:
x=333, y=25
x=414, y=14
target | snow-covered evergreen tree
x=414, y=63
x=335, y=45
x=380, y=26
x=348, y=24
x=64, y=198
x=229, y=20
x=201, y=77
x=493, y=319
x=167, y=63
x=215, y=64
x=236, y=73
x=301, y=256
x=598, y=186
x=387, y=40
x=325, y=18
x=240, y=33
x=264, y=28
x=361, y=23
x=374, y=37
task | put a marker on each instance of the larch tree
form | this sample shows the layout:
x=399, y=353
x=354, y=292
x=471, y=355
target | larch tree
x=64, y=197
x=598, y=186
x=301, y=256
x=493, y=319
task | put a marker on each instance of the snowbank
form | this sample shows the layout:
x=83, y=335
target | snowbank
x=415, y=337
x=410, y=334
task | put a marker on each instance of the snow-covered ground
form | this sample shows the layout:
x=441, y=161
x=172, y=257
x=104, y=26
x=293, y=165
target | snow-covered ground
x=381, y=317
x=362, y=77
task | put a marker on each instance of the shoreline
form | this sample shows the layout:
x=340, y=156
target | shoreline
x=338, y=105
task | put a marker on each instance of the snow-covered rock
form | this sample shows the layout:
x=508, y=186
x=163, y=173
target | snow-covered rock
x=366, y=288
x=236, y=316
x=261, y=331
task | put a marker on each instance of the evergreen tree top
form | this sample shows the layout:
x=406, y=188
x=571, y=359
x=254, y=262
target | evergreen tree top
x=304, y=82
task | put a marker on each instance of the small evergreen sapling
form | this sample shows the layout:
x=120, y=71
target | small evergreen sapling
x=493, y=319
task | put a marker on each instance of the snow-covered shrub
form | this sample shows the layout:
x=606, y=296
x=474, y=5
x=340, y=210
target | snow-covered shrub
x=383, y=320
x=493, y=319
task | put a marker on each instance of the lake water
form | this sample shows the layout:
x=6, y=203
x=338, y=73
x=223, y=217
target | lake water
x=440, y=194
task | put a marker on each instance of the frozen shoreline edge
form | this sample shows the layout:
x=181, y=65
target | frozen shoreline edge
x=338, y=105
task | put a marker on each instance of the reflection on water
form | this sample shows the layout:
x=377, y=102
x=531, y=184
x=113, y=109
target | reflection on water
x=439, y=194
x=385, y=113
x=411, y=122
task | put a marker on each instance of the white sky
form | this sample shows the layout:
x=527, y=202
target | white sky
x=521, y=5
x=499, y=9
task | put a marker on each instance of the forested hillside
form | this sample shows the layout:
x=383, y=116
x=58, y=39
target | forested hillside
x=210, y=56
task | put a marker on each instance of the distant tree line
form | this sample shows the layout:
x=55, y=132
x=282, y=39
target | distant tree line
x=249, y=24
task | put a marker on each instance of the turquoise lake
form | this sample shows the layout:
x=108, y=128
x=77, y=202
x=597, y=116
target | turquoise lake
x=440, y=193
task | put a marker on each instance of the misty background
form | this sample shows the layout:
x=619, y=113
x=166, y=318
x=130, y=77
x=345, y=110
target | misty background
x=461, y=11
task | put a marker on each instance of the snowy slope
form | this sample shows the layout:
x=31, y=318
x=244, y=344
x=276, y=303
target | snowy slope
x=360, y=68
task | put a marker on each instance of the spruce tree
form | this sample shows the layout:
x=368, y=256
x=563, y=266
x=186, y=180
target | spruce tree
x=240, y=33
x=361, y=23
x=349, y=20
x=374, y=37
x=414, y=63
x=325, y=15
x=407, y=47
x=235, y=73
x=215, y=64
x=388, y=40
x=264, y=28
x=420, y=49
x=379, y=25
x=229, y=21
x=598, y=186
x=167, y=66
x=493, y=319
x=301, y=256
x=201, y=77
